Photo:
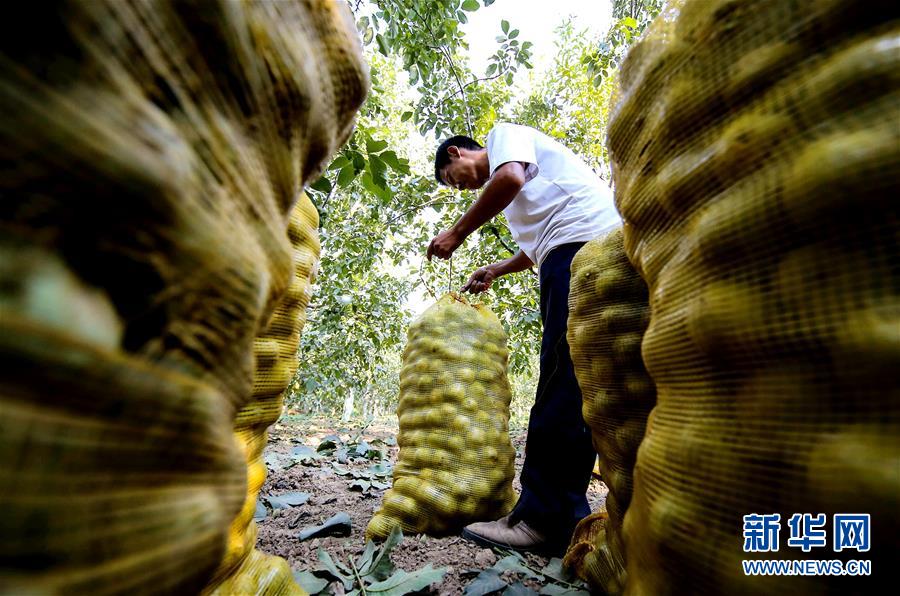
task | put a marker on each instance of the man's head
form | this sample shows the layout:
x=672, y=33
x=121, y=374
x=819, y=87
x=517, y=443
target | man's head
x=461, y=162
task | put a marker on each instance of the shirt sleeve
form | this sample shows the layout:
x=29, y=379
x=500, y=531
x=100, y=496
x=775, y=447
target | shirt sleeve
x=508, y=142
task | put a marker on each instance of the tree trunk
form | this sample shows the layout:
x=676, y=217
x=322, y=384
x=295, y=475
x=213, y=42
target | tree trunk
x=348, y=407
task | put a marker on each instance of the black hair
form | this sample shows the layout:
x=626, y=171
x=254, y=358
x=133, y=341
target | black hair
x=442, y=156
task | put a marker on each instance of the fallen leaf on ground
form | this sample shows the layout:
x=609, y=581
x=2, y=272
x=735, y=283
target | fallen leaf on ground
x=337, y=525
x=518, y=589
x=287, y=500
x=309, y=582
x=487, y=582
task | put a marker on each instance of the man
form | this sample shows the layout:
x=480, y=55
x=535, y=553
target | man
x=553, y=203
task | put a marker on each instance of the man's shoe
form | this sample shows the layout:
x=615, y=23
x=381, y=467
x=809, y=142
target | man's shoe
x=501, y=534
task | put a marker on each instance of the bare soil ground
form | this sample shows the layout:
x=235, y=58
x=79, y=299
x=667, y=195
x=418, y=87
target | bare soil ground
x=328, y=477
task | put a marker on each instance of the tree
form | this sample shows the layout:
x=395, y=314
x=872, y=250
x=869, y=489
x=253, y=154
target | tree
x=630, y=18
x=380, y=204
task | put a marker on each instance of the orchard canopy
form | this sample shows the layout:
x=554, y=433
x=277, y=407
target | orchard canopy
x=438, y=68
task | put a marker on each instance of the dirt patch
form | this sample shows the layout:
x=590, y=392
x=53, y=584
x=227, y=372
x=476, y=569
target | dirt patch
x=328, y=479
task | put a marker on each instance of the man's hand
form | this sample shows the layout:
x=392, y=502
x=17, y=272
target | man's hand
x=480, y=281
x=443, y=245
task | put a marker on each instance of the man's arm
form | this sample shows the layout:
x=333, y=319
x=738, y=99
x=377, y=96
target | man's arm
x=501, y=189
x=481, y=280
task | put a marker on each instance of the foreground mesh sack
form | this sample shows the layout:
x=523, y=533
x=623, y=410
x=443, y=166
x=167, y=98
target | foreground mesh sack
x=118, y=475
x=249, y=571
x=756, y=155
x=456, y=462
x=150, y=154
x=608, y=314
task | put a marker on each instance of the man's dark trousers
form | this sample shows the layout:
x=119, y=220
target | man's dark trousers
x=559, y=456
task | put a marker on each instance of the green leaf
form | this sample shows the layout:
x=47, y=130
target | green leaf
x=377, y=167
x=383, y=46
x=362, y=485
x=402, y=583
x=382, y=568
x=504, y=24
x=491, y=69
x=630, y=22
x=341, y=470
x=364, y=562
x=391, y=159
x=323, y=184
x=486, y=582
x=369, y=184
x=339, y=162
x=336, y=525
x=470, y=5
x=509, y=78
x=309, y=582
x=406, y=116
x=287, y=500
x=329, y=566
x=488, y=2
x=514, y=563
x=362, y=448
x=518, y=589
x=556, y=570
x=558, y=590
x=461, y=17
x=413, y=75
x=359, y=162
x=348, y=173
x=260, y=512
x=305, y=454
x=329, y=443
x=373, y=146
x=514, y=33
x=380, y=469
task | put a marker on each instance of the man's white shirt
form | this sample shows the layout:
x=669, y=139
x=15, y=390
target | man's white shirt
x=562, y=200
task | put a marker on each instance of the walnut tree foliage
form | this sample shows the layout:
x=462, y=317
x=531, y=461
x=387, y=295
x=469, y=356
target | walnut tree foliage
x=380, y=204
x=630, y=18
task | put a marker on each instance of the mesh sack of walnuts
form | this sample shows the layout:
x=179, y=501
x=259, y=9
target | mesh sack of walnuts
x=456, y=461
x=608, y=314
x=756, y=156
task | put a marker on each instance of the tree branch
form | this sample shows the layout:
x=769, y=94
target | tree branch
x=446, y=55
x=470, y=83
x=462, y=90
x=416, y=208
x=331, y=192
x=493, y=230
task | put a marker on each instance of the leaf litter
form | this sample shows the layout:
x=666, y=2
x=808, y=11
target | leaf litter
x=304, y=456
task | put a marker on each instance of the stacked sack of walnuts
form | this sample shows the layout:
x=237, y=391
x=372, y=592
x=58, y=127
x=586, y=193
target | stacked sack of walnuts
x=152, y=156
x=456, y=462
x=244, y=570
x=756, y=157
x=608, y=314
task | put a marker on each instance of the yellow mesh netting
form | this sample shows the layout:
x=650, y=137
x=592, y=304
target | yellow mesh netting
x=756, y=157
x=92, y=502
x=243, y=571
x=151, y=155
x=456, y=462
x=608, y=314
